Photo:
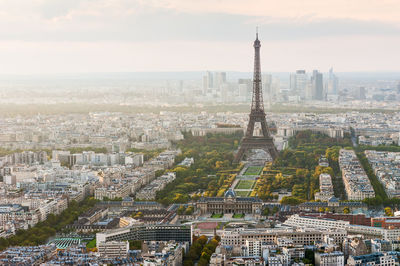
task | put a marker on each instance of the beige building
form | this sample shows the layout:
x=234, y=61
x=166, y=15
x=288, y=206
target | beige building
x=113, y=249
x=229, y=204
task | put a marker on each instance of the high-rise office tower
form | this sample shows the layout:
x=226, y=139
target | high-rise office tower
x=292, y=82
x=360, y=93
x=224, y=92
x=298, y=83
x=333, y=83
x=267, y=86
x=317, y=85
x=245, y=87
x=219, y=79
x=208, y=81
x=267, y=89
x=301, y=83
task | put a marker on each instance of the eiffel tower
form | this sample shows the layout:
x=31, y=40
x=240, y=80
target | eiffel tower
x=257, y=114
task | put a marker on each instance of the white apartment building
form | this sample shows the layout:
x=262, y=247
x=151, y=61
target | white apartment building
x=325, y=188
x=217, y=260
x=237, y=237
x=149, y=192
x=343, y=226
x=312, y=222
x=113, y=249
x=378, y=258
x=118, y=191
x=329, y=259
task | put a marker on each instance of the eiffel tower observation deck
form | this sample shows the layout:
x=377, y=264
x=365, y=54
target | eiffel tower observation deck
x=257, y=115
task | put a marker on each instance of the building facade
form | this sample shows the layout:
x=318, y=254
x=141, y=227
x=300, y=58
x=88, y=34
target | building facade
x=179, y=233
x=229, y=204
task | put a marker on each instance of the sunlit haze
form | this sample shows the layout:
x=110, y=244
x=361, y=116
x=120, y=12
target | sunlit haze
x=83, y=36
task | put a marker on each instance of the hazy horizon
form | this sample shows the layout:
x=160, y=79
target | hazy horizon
x=196, y=74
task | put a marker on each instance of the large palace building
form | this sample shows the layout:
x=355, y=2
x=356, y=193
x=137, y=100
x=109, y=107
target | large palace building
x=229, y=204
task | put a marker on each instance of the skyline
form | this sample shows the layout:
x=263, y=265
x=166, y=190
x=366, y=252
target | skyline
x=84, y=36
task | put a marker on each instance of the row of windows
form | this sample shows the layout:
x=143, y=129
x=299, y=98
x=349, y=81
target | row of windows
x=155, y=234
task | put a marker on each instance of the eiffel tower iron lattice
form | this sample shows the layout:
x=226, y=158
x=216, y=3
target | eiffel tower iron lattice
x=257, y=114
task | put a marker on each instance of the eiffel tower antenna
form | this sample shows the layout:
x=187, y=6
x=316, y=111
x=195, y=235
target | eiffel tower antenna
x=257, y=114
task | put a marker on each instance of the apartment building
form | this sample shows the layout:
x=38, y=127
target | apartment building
x=356, y=181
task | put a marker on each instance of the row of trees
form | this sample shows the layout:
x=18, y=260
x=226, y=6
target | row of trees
x=267, y=211
x=381, y=198
x=317, y=140
x=380, y=193
x=82, y=149
x=147, y=154
x=187, y=211
x=40, y=233
x=391, y=148
x=201, y=251
x=218, y=188
x=332, y=154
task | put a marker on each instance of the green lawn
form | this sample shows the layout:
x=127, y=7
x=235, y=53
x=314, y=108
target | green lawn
x=217, y=215
x=253, y=170
x=245, y=184
x=241, y=215
x=242, y=193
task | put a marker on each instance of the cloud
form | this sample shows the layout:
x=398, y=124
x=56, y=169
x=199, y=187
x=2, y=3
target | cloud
x=80, y=22
x=57, y=8
x=380, y=10
x=145, y=35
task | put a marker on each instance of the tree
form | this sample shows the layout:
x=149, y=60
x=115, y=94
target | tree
x=181, y=209
x=135, y=245
x=202, y=240
x=40, y=233
x=188, y=262
x=192, y=254
x=138, y=215
x=289, y=200
x=203, y=261
x=346, y=210
x=189, y=210
x=388, y=211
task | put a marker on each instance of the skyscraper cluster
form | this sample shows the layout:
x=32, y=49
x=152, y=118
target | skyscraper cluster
x=213, y=80
x=314, y=87
x=215, y=85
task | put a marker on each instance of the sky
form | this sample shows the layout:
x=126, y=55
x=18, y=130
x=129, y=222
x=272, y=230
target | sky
x=84, y=36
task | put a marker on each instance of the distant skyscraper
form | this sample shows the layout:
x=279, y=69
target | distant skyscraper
x=360, y=93
x=298, y=83
x=317, y=85
x=292, y=84
x=208, y=81
x=267, y=87
x=219, y=79
x=333, y=83
x=245, y=86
